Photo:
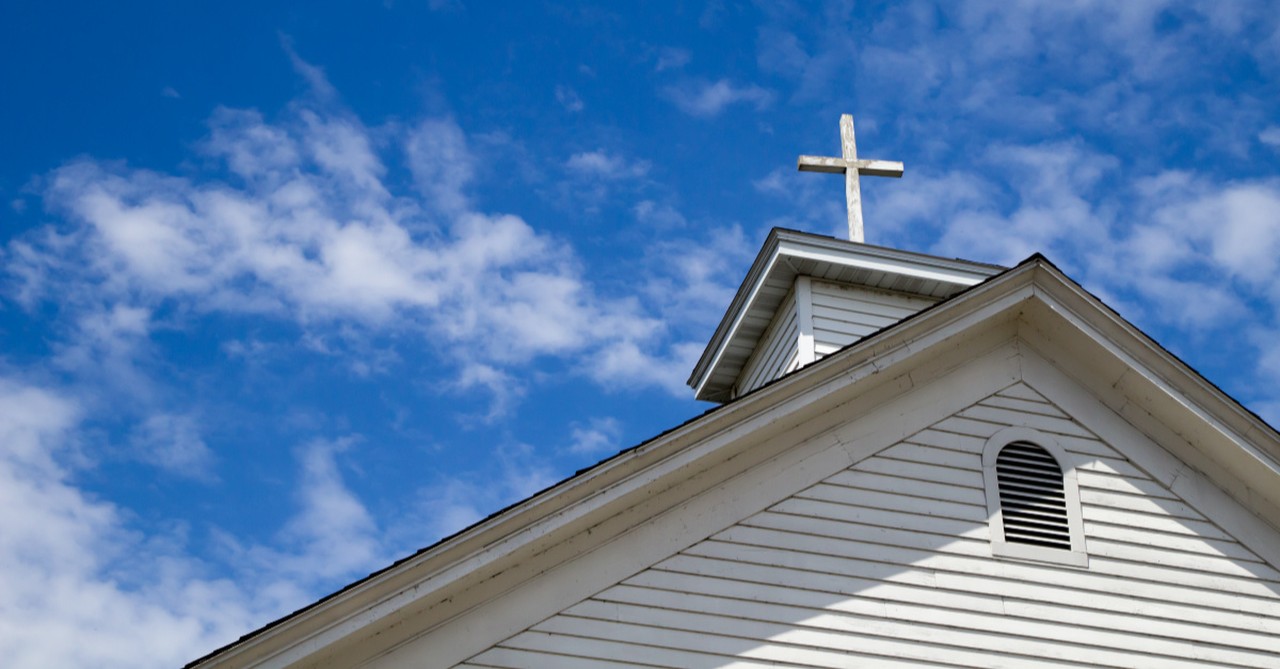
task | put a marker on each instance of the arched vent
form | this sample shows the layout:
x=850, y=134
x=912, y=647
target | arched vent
x=1033, y=501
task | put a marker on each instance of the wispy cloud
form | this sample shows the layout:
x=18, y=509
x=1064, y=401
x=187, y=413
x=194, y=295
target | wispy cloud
x=441, y=163
x=313, y=74
x=504, y=390
x=671, y=58
x=658, y=216
x=85, y=588
x=692, y=283
x=332, y=534
x=452, y=502
x=709, y=98
x=1270, y=136
x=569, y=99
x=81, y=588
x=173, y=442
x=604, y=165
x=596, y=437
x=301, y=225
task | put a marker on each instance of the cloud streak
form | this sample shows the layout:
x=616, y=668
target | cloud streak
x=707, y=99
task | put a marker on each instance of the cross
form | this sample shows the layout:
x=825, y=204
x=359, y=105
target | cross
x=851, y=167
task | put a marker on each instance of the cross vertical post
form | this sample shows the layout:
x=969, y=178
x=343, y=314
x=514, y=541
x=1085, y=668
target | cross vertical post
x=849, y=164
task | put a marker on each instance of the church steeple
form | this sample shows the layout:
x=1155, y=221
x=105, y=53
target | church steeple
x=807, y=296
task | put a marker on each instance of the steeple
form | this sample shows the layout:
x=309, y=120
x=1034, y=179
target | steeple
x=807, y=296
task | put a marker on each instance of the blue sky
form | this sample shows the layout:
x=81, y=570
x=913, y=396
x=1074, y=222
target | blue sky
x=291, y=290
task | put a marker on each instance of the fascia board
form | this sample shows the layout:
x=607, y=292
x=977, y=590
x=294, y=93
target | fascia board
x=932, y=268
x=733, y=316
x=738, y=424
x=1154, y=379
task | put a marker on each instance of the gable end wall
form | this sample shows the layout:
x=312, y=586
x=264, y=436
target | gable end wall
x=778, y=351
x=844, y=314
x=888, y=562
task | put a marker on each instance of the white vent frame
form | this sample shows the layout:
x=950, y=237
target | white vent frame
x=1077, y=556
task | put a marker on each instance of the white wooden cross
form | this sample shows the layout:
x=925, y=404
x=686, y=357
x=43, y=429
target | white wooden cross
x=849, y=164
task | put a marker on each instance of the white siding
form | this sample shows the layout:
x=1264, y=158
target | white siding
x=843, y=314
x=887, y=563
x=778, y=350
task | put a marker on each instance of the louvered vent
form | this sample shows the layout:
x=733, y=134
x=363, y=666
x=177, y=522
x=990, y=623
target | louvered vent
x=1033, y=502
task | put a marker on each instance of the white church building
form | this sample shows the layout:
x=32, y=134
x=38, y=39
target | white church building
x=916, y=461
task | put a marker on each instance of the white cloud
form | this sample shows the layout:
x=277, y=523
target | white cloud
x=331, y=536
x=658, y=216
x=80, y=588
x=313, y=235
x=441, y=163
x=250, y=147
x=1053, y=182
x=707, y=99
x=604, y=165
x=173, y=442
x=104, y=347
x=299, y=225
x=599, y=436
x=504, y=390
x=1241, y=222
x=1177, y=248
x=569, y=99
x=1093, y=68
x=625, y=365
x=671, y=58
x=595, y=179
x=83, y=587
x=1217, y=242
x=309, y=232
x=457, y=500
x=1270, y=136
x=312, y=74
x=341, y=148
x=692, y=283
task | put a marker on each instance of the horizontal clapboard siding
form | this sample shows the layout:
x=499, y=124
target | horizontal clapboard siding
x=888, y=563
x=845, y=314
x=778, y=351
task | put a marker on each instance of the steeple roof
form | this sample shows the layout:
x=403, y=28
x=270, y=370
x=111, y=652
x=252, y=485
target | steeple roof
x=787, y=254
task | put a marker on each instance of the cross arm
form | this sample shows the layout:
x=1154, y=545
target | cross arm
x=877, y=168
x=821, y=164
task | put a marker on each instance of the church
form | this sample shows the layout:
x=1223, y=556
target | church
x=914, y=461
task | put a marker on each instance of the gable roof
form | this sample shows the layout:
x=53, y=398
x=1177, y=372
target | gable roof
x=1126, y=371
